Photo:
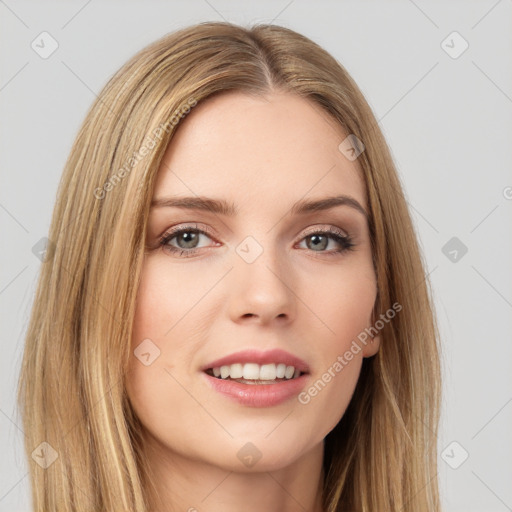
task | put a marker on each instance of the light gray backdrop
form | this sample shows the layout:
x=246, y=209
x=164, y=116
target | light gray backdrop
x=445, y=109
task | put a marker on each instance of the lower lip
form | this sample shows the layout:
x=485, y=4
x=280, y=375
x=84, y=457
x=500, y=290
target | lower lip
x=258, y=395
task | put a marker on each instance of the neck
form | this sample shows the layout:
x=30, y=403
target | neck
x=184, y=484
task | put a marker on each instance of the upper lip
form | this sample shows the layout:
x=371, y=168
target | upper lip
x=276, y=356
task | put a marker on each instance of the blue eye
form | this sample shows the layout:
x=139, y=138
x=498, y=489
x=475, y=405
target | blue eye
x=320, y=240
x=187, y=241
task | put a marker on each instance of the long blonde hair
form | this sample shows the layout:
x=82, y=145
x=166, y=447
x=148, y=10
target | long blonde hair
x=382, y=454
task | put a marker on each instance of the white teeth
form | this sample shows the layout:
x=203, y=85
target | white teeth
x=290, y=370
x=224, y=372
x=253, y=371
x=236, y=371
x=268, y=372
x=280, y=369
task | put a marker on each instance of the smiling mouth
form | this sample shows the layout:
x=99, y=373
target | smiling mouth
x=253, y=373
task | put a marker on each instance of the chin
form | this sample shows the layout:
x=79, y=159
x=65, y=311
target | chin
x=255, y=454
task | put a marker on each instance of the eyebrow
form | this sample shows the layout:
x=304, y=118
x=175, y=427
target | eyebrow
x=222, y=207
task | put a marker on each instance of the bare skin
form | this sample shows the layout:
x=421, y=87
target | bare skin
x=205, y=301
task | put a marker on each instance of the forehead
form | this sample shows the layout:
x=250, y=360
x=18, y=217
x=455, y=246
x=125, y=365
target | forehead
x=264, y=151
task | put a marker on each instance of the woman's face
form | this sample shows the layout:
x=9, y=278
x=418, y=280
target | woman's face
x=279, y=284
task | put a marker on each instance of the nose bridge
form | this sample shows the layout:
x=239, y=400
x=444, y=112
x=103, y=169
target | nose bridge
x=261, y=278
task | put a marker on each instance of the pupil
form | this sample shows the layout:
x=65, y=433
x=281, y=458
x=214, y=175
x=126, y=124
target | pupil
x=317, y=237
x=192, y=237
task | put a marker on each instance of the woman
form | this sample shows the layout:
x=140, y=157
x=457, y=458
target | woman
x=235, y=314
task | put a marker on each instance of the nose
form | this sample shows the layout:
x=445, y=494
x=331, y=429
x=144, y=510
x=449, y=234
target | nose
x=262, y=291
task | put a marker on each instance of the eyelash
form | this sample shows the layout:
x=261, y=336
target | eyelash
x=345, y=241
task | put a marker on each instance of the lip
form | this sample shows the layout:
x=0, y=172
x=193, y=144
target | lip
x=258, y=395
x=256, y=356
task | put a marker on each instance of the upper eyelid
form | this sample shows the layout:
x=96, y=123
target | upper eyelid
x=330, y=229
x=179, y=228
x=172, y=232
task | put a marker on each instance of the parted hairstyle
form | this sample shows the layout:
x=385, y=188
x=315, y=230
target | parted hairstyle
x=381, y=456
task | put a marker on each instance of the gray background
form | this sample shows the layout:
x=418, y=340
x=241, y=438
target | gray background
x=449, y=124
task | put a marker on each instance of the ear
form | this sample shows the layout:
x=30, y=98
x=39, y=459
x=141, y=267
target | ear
x=372, y=347
x=373, y=342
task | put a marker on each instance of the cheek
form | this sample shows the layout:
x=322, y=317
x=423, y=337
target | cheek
x=342, y=303
x=169, y=415
x=328, y=395
x=146, y=377
x=166, y=324
x=165, y=301
x=344, y=306
x=157, y=304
